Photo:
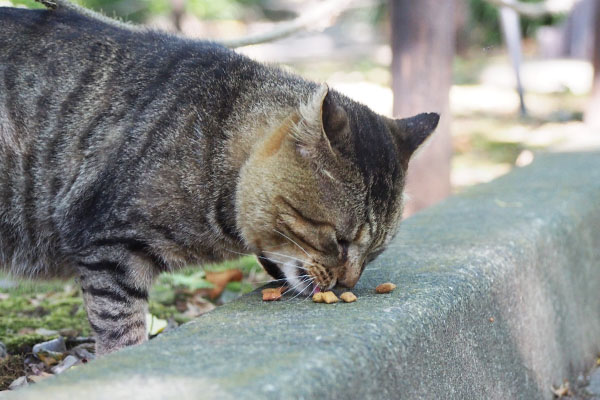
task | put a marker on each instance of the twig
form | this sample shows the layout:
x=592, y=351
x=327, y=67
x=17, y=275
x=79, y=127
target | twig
x=534, y=10
x=319, y=17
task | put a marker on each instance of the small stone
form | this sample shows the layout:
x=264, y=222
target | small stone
x=56, y=345
x=385, y=287
x=50, y=352
x=593, y=387
x=46, y=332
x=83, y=353
x=70, y=333
x=330, y=297
x=348, y=297
x=37, y=378
x=18, y=383
x=67, y=363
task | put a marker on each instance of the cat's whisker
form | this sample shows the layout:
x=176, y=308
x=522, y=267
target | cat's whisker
x=291, y=240
x=285, y=255
x=308, y=279
x=298, y=284
x=250, y=254
x=271, y=280
x=303, y=280
x=241, y=254
x=272, y=259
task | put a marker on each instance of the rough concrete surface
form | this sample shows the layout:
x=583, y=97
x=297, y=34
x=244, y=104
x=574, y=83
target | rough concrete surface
x=497, y=298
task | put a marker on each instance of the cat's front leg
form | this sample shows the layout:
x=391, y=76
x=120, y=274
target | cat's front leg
x=116, y=297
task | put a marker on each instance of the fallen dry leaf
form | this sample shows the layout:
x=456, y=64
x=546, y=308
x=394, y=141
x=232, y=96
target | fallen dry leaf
x=562, y=390
x=220, y=279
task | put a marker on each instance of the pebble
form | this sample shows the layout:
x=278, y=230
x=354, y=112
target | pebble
x=37, y=378
x=18, y=383
x=50, y=352
x=54, y=345
x=67, y=363
x=593, y=387
x=82, y=352
x=71, y=333
x=46, y=332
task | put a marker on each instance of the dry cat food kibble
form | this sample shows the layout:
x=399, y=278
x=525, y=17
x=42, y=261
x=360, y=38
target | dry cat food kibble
x=325, y=297
x=348, y=297
x=272, y=294
x=385, y=287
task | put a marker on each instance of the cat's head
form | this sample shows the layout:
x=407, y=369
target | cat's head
x=321, y=195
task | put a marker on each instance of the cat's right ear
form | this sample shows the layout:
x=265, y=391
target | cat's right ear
x=323, y=126
x=413, y=131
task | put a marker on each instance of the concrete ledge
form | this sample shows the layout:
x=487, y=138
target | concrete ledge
x=523, y=250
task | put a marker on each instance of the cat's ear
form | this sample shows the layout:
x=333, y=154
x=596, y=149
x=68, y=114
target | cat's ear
x=323, y=124
x=413, y=131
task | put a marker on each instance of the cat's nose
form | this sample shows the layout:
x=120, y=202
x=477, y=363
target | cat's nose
x=348, y=281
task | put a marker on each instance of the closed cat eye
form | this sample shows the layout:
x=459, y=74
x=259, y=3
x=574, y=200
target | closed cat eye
x=343, y=246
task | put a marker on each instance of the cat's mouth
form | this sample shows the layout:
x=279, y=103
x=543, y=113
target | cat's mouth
x=297, y=277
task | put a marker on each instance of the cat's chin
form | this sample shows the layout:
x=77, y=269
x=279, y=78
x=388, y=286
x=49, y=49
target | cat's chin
x=294, y=274
x=298, y=280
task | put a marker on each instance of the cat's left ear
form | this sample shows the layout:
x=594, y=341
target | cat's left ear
x=323, y=126
x=413, y=131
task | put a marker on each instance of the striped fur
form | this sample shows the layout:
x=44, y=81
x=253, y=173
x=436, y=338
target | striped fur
x=126, y=152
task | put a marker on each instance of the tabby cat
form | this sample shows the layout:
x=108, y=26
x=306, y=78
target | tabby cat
x=126, y=152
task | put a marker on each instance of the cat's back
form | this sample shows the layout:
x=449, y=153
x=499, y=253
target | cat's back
x=79, y=95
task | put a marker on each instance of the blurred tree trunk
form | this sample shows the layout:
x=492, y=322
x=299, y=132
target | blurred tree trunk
x=423, y=44
x=177, y=11
x=592, y=114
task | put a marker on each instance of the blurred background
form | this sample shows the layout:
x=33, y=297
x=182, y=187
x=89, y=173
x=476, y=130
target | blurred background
x=512, y=79
x=402, y=57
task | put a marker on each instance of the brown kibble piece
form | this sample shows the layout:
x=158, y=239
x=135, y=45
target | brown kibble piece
x=272, y=294
x=348, y=297
x=330, y=297
x=385, y=287
x=318, y=297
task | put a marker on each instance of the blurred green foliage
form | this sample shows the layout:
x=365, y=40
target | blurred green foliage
x=484, y=25
x=141, y=10
x=485, y=22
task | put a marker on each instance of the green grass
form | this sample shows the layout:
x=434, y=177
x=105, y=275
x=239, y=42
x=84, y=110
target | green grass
x=56, y=305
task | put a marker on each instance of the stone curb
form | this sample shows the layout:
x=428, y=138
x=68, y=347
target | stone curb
x=497, y=298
